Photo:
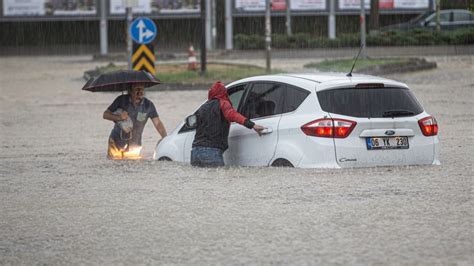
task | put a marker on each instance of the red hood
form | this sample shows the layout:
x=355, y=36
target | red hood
x=218, y=91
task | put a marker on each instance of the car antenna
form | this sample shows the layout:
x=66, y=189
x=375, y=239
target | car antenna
x=355, y=61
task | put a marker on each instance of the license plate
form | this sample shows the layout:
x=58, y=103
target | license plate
x=387, y=143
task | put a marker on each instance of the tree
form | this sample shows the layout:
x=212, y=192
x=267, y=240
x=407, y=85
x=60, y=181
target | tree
x=438, y=9
x=374, y=16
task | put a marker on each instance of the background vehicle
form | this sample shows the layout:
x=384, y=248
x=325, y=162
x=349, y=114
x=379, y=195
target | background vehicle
x=324, y=120
x=450, y=19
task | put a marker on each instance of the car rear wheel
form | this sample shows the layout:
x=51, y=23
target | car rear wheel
x=165, y=159
x=282, y=163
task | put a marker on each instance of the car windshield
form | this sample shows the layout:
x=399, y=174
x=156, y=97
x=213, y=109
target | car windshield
x=420, y=17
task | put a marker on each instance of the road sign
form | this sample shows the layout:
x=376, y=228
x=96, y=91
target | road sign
x=143, y=30
x=143, y=58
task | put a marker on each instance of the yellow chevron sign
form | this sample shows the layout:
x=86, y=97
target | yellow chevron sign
x=143, y=58
x=143, y=64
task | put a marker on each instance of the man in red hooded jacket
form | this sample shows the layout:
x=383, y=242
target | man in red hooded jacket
x=213, y=123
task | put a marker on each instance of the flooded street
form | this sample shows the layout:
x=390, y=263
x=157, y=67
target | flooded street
x=63, y=202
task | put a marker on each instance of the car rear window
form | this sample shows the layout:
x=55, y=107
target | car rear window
x=368, y=102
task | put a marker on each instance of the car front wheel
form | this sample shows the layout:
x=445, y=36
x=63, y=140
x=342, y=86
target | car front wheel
x=282, y=163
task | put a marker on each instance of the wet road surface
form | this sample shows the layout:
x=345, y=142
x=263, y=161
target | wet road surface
x=62, y=202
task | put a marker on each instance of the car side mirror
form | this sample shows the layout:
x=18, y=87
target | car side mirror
x=191, y=121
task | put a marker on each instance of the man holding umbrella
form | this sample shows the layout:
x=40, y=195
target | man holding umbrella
x=129, y=112
x=138, y=109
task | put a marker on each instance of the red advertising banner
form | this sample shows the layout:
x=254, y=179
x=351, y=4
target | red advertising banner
x=278, y=5
x=386, y=4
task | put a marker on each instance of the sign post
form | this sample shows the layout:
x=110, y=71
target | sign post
x=268, y=34
x=362, y=28
x=203, y=38
x=128, y=11
x=332, y=20
x=228, y=25
x=143, y=31
x=288, y=18
x=103, y=28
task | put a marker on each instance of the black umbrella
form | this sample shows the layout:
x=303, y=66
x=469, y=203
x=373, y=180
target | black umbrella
x=120, y=81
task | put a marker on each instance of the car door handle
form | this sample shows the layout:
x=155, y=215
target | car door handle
x=267, y=130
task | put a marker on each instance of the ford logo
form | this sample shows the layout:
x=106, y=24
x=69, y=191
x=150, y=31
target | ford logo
x=389, y=132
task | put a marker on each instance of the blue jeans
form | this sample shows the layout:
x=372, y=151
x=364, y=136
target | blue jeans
x=206, y=157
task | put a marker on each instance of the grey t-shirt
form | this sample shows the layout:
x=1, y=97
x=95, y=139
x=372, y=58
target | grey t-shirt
x=139, y=115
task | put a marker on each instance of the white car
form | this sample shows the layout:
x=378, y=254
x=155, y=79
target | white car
x=321, y=121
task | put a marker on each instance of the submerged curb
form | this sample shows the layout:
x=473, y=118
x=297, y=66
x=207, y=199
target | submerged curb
x=412, y=65
x=181, y=87
x=162, y=87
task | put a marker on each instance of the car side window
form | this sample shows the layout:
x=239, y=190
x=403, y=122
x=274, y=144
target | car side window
x=235, y=95
x=293, y=98
x=461, y=16
x=264, y=99
x=443, y=17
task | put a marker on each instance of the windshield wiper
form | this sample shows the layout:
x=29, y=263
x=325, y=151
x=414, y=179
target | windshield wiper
x=397, y=113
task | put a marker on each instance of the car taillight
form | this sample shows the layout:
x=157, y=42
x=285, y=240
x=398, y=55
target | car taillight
x=329, y=128
x=429, y=126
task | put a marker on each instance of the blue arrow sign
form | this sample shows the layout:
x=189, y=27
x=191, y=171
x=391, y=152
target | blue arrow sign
x=143, y=30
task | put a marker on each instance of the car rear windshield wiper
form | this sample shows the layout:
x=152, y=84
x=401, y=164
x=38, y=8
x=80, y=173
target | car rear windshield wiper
x=397, y=113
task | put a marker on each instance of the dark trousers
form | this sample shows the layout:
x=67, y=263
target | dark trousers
x=206, y=157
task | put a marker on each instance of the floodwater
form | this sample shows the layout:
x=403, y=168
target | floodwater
x=63, y=202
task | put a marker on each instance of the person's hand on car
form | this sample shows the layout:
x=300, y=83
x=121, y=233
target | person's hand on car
x=258, y=129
